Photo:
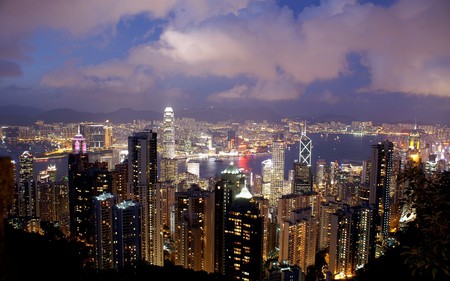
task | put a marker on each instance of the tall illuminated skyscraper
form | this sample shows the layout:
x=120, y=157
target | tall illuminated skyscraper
x=303, y=179
x=79, y=196
x=169, y=169
x=225, y=192
x=144, y=188
x=26, y=192
x=244, y=239
x=305, y=148
x=168, y=133
x=277, y=181
x=47, y=194
x=86, y=180
x=380, y=185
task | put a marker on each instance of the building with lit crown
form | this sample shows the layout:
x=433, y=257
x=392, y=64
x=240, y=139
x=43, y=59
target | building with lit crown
x=244, y=239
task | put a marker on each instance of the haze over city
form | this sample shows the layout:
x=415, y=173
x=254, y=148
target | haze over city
x=368, y=59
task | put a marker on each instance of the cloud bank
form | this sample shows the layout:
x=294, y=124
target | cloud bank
x=266, y=52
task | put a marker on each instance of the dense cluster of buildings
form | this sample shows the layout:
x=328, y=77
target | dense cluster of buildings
x=128, y=202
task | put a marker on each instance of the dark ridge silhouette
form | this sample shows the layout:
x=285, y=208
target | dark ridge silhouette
x=50, y=257
x=13, y=109
x=14, y=115
x=216, y=114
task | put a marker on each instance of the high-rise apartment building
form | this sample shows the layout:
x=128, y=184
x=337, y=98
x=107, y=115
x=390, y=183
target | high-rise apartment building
x=380, y=185
x=144, y=188
x=298, y=238
x=194, y=229
x=127, y=233
x=103, y=230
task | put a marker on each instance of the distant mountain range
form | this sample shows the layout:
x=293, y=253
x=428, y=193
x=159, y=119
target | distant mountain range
x=16, y=115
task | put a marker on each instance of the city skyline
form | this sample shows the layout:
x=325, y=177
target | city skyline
x=360, y=58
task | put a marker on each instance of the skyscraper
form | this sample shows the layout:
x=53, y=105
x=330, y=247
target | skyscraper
x=143, y=187
x=168, y=134
x=86, y=180
x=277, y=179
x=194, y=235
x=305, y=148
x=79, y=195
x=127, y=233
x=47, y=194
x=244, y=239
x=225, y=192
x=303, y=178
x=103, y=230
x=380, y=185
x=26, y=192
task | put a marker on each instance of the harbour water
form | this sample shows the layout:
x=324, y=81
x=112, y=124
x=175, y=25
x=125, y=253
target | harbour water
x=342, y=148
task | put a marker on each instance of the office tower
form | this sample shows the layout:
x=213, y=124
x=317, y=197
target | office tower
x=194, y=224
x=95, y=135
x=302, y=179
x=143, y=188
x=109, y=141
x=127, y=233
x=225, y=191
x=320, y=175
x=193, y=167
x=266, y=171
x=103, y=230
x=47, y=194
x=277, y=179
x=298, y=238
x=380, y=185
x=26, y=189
x=168, y=134
x=257, y=185
x=244, y=239
x=231, y=139
x=305, y=148
x=331, y=188
x=79, y=203
x=86, y=180
x=169, y=170
x=414, y=139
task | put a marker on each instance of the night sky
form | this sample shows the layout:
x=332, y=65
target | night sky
x=366, y=59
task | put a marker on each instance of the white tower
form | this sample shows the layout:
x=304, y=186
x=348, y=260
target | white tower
x=168, y=133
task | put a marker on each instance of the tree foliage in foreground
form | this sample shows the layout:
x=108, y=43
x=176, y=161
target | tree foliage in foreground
x=423, y=250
